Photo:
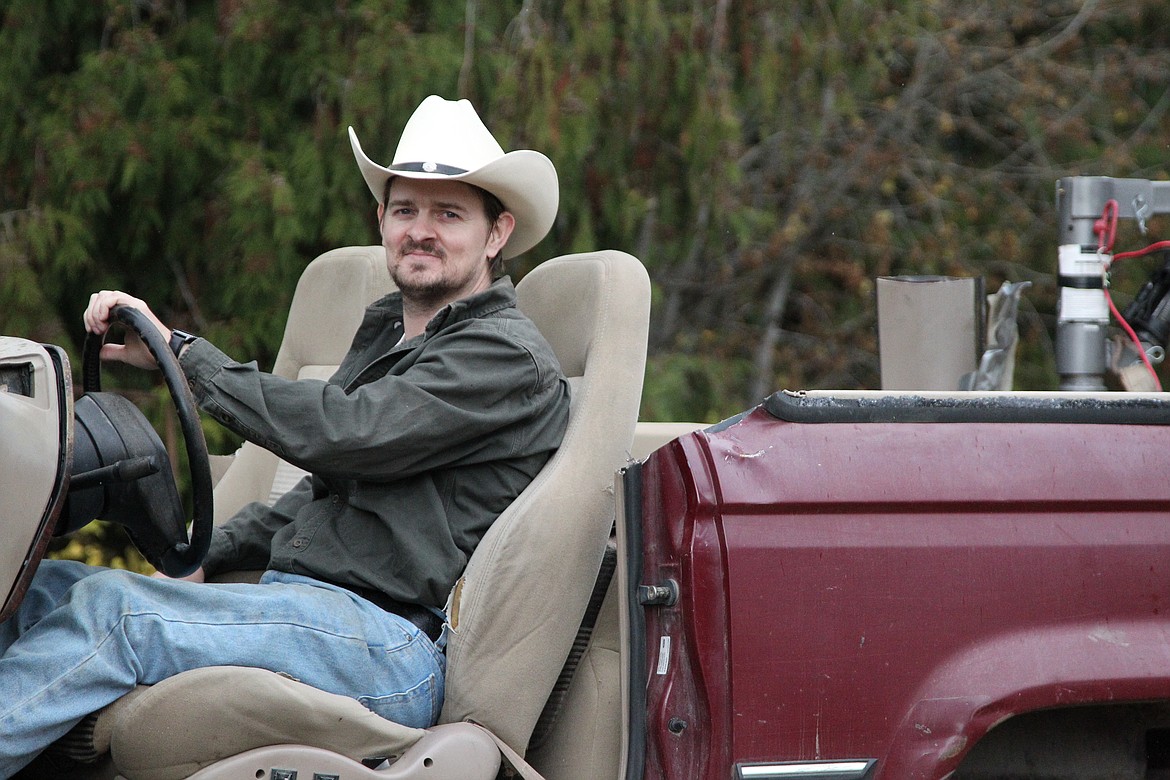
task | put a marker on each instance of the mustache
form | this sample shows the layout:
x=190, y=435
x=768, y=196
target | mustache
x=429, y=247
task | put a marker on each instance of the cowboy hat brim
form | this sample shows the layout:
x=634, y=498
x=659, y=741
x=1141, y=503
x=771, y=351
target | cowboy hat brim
x=525, y=181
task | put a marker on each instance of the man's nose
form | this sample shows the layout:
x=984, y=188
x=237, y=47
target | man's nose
x=421, y=227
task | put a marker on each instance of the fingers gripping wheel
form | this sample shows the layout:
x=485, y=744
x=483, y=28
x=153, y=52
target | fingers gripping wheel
x=121, y=472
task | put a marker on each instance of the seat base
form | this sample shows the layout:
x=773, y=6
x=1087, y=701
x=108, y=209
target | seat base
x=455, y=751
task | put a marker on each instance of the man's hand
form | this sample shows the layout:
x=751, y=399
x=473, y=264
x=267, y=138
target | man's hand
x=195, y=576
x=97, y=321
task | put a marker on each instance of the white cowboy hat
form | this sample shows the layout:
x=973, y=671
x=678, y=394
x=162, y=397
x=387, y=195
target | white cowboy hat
x=446, y=139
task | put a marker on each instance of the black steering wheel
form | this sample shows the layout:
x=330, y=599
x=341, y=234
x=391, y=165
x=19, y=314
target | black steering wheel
x=121, y=471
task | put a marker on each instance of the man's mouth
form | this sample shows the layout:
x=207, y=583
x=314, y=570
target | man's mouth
x=410, y=248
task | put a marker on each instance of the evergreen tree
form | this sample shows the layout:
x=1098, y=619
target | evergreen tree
x=765, y=160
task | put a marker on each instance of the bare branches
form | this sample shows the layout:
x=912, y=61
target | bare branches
x=464, y=83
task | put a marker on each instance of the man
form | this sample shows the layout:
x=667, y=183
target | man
x=446, y=406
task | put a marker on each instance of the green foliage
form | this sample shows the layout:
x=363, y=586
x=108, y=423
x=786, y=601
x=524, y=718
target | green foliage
x=693, y=386
x=101, y=544
x=765, y=160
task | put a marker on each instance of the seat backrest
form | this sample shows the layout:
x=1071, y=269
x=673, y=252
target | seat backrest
x=517, y=609
x=538, y=562
x=326, y=310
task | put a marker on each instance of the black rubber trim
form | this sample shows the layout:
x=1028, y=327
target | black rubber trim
x=631, y=477
x=1075, y=410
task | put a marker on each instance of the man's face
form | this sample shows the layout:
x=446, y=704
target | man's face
x=438, y=240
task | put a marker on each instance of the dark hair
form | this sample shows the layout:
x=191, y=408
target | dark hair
x=493, y=207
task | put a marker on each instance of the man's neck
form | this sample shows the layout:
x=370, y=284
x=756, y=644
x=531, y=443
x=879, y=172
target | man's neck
x=417, y=313
x=416, y=317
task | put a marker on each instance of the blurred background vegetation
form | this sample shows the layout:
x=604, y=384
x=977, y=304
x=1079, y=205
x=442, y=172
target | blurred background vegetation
x=766, y=160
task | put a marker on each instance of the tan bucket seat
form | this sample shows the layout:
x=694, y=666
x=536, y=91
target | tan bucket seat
x=515, y=613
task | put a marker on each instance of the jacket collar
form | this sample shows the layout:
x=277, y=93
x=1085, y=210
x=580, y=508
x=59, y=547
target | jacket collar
x=501, y=295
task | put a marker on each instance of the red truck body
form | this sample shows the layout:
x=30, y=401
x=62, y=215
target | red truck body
x=867, y=585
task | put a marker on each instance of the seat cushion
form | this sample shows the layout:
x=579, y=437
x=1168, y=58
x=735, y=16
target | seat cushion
x=171, y=730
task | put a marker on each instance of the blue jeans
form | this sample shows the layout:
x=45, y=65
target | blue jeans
x=83, y=637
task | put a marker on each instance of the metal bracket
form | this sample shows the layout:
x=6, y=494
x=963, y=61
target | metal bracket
x=665, y=595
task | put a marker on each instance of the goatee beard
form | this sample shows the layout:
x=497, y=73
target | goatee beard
x=426, y=293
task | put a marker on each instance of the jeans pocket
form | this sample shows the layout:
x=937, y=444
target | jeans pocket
x=417, y=707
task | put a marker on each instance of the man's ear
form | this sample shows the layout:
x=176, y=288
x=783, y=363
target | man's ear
x=500, y=232
x=381, y=213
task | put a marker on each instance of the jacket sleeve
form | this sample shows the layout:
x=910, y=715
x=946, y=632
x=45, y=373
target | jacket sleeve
x=461, y=401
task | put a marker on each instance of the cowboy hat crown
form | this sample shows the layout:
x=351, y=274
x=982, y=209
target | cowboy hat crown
x=446, y=140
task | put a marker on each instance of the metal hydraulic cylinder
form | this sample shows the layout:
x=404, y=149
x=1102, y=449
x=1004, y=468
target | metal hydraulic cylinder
x=1082, y=320
x=1083, y=316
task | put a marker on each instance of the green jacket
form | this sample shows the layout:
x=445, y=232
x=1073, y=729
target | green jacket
x=414, y=449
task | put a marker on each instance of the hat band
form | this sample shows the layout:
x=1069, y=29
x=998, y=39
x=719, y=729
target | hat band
x=428, y=167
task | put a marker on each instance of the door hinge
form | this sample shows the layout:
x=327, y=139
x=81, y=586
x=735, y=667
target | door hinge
x=665, y=595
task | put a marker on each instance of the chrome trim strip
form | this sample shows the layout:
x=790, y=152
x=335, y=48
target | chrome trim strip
x=822, y=770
